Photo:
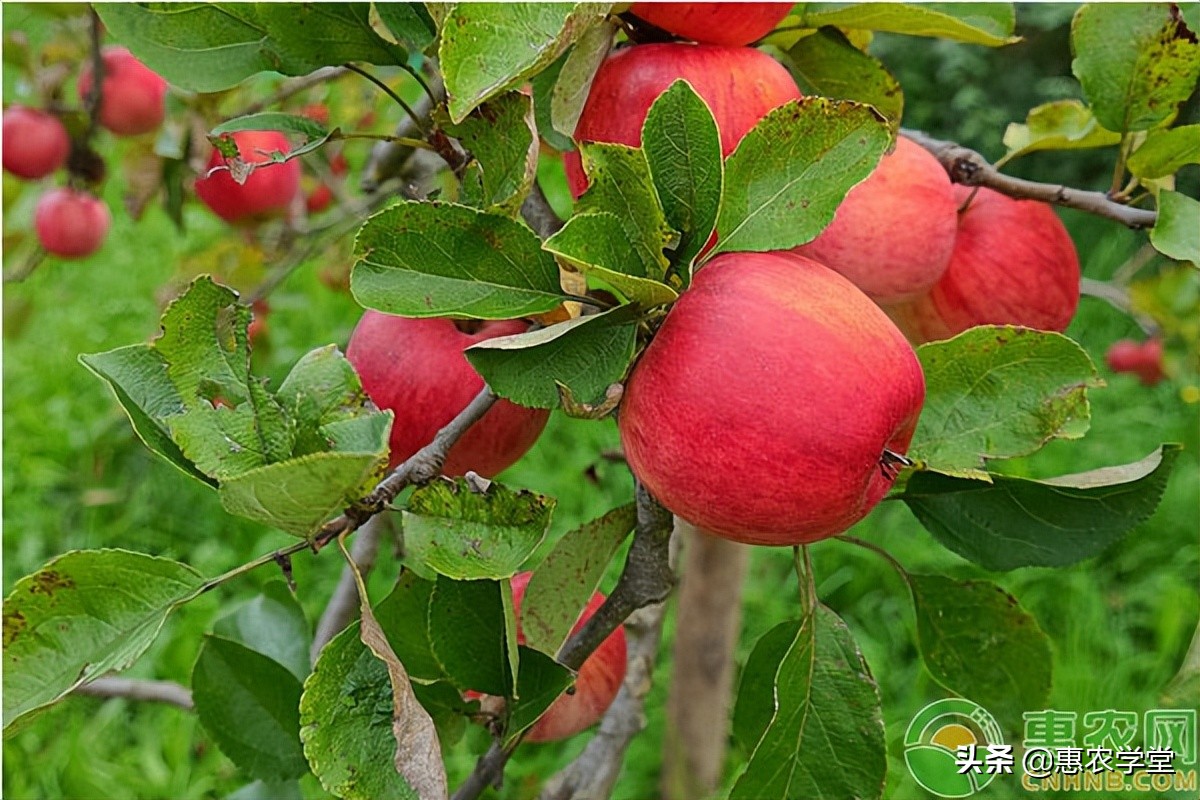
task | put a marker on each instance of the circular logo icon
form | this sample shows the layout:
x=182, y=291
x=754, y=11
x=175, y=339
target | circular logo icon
x=932, y=740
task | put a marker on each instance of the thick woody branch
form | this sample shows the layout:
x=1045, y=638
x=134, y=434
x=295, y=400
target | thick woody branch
x=969, y=168
x=343, y=604
x=157, y=691
x=646, y=580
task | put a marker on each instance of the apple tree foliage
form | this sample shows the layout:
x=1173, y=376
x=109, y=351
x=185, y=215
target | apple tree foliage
x=367, y=719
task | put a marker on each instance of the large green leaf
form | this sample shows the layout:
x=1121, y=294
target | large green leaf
x=1057, y=125
x=346, y=723
x=81, y=615
x=596, y=244
x=207, y=47
x=324, y=395
x=502, y=136
x=540, y=682
x=827, y=64
x=404, y=617
x=467, y=634
x=755, y=702
x=1176, y=233
x=1019, y=522
x=273, y=624
x=979, y=643
x=1137, y=62
x=683, y=150
x=999, y=392
x=439, y=259
x=988, y=24
x=250, y=705
x=487, y=48
x=825, y=736
x=410, y=24
x=585, y=354
x=788, y=175
x=562, y=584
x=574, y=80
x=1165, y=152
x=464, y=533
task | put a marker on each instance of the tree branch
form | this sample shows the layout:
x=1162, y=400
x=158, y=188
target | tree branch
x=343, y=604
x=294, y=86
x=646, y=580
x=158, y=691
x=969, y=168
x=537, y=212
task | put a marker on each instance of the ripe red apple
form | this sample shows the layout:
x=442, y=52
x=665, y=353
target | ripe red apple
x=267, y=192
x=764, y=408
x=730, y=24
x=1144, y=360
x=1013, y=264
x=416, y=368
x=317, y=112
x=131, y=95
x=35, y=143
x=71, y=224
x=739, y=84
x=596, y=686
x=893, y=234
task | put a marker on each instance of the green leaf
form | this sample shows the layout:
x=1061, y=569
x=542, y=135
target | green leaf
x=1176, y=233
x=788, y=175
x=683, y=150
x=274, y=121
x=487, y=48
x=410, y=24
x=447, y=709
x=137, y=375
x=1136, y=61
x=989, y=24
x=1058, y=125
x=404, y=617
x=585, y=354
x=321, y=392
x=464, y=533
x=502, y=136
x=346, y=721
x=1165, y=152
x=755, y=702
x=250, y=705
x=999, y=392
x=539, y=683
x=300, y=494
x=596, y=243
x=979, y=643
x=1019, y=522
x=272, y=624
x=83, y=614
x=573, y=83
x=208, y=47
x=439, y=259
x=268, y=790
x=543, y=92
x=827, y=64
x=825, y=738
x=467, y=634
x=564, y=583
x=619, y=183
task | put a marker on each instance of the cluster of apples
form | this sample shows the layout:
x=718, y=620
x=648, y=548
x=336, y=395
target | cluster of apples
x=776, y=401
x=71, y=222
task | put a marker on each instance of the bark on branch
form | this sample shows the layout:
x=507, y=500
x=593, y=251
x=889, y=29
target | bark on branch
x=132, y=689
x=343, y=604
x=969, y=168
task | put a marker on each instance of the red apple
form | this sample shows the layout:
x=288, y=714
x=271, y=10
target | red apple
x=731, y=24
x=35, y=143
x=317, y=112
x=893, y=234
x=1013, y=264
x=416, y=368
x=71, y=224
x=1144, y=360
x=131, y=96
x=596, y=686
x=318, y=199
x=267, y=192
x=764, y=409
x=739, y=84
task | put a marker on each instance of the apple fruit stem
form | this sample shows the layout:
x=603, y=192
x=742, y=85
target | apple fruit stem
x=969, y=168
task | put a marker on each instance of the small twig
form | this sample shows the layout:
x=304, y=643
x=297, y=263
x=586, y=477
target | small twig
x=969, y=168
x=293, y=87
x=390, y=159
x=168, y=692
x=343, y=604
x=537, y=211
x=390, y=93
x=1118, y=298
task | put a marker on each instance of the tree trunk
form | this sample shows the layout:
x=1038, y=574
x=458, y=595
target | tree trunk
x=700, y=702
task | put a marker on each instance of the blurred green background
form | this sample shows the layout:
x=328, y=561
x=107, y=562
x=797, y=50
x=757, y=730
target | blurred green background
x=76, y=477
